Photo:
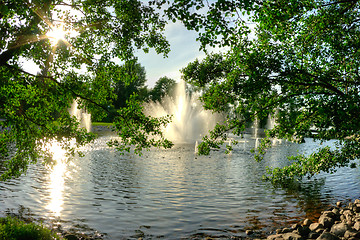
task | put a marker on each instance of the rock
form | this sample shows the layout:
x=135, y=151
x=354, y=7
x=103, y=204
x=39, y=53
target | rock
x=249, y=232
x=339, y=223
x=313, y=235
x=327, y=236
x=329, y=214
x=339, y=229
x=351, y=205
x=275, y=237
x=349, y=223
x=352, y=234
x=292, y=236
x=356, y=208
x=286, y=230
x=348, y=214
x=357, y=226
x=326, y=221
x=320, y=230
x=336, y=211
x=295, y=226
x=307, y=222
x=314, y=226
x=303, y=231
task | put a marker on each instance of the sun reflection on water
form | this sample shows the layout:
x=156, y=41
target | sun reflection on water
x=57, y=179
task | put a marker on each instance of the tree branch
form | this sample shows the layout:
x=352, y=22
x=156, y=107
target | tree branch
x=319, y=82
x=77, y=7
x=338, y=2
x=61, y=85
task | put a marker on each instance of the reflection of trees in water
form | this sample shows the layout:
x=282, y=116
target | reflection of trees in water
x=309, y=197
x=301, y=200
x=22, y=213
x=254, y=222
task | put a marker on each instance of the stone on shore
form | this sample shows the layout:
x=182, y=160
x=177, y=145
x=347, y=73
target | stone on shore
x=315, y=226
x=327, y=236
x=338, y=223
x=307, y=222
x=357, y=226
x=339, y=229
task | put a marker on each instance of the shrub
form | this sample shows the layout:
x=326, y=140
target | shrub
x=15, y=229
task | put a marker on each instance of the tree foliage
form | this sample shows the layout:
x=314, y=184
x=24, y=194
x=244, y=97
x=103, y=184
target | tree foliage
x=297, y=60
x=119, y=82
x=164, y=86
x=34, y=107
x=134, y=82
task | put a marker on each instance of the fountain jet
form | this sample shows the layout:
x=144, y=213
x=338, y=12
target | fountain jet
x=189, y=119
x=81, y=115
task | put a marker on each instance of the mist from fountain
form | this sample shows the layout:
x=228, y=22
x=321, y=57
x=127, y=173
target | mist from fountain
x=256, y=126
x=270, y=124
x=189, y=119
x=81, y=115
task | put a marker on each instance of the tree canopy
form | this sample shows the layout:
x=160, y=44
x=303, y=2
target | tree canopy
x=164, y=86
x=34, y=107
x=297, y=60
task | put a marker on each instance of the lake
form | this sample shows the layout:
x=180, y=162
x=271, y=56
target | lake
x=172, y=194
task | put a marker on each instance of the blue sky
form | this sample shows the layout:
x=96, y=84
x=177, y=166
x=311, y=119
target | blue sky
x=184, y=49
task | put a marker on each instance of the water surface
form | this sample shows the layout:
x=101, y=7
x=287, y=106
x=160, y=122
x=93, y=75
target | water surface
x=172, y=194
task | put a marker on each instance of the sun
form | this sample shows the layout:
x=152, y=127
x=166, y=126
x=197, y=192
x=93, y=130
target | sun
x=55, y=35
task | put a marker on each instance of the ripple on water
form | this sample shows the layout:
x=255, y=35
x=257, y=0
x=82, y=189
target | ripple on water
x=174, y=193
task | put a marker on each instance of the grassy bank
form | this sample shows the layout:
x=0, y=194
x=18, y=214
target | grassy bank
x=14, y=229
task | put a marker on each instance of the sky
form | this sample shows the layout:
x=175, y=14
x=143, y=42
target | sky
x=184, y=49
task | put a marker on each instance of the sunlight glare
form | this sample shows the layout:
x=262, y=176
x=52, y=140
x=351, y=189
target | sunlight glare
x=55, y=35
x=57, y=179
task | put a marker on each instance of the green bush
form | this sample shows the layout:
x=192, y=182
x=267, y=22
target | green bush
x=15, y=229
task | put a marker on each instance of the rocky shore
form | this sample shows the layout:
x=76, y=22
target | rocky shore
x=339, y=222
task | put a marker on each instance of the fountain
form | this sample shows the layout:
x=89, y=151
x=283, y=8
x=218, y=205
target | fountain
x=168, y=194
x=270, y=124
x=81, y=115
x=189, y=119
x=256, y=126
x=196, y=151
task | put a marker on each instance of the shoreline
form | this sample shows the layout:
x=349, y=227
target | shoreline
x=339, y=222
